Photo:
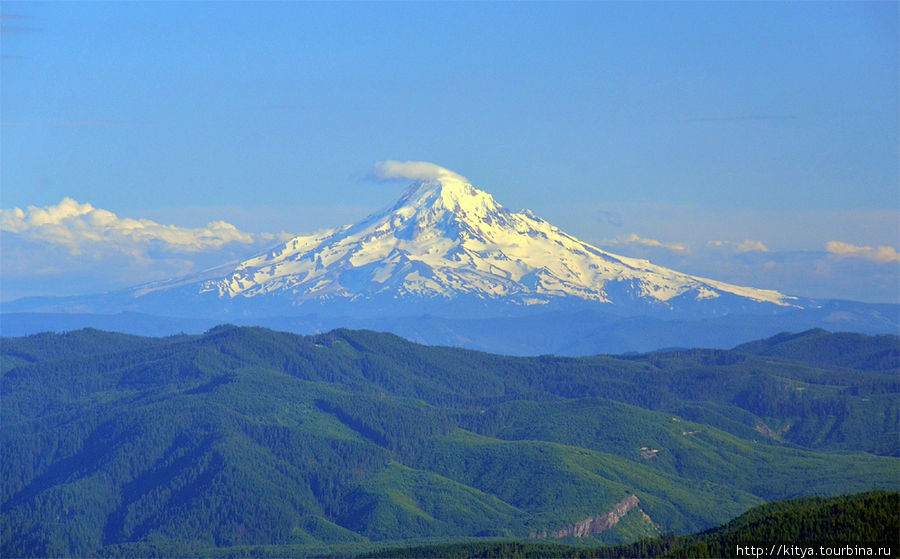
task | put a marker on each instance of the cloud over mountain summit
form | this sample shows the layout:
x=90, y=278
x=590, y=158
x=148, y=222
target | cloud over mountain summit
x=413, y=170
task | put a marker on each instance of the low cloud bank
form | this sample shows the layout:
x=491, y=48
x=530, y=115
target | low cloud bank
x=884, y=254
x=742, y=247
x=78, y=226
x=634, y=239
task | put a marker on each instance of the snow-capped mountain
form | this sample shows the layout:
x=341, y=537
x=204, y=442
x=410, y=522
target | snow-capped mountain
x=444, y=241
x=448, y=265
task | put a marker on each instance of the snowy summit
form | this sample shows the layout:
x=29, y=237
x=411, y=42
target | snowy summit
x=445, y=240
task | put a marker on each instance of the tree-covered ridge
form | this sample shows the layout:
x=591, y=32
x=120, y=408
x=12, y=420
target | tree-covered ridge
x=860, y=522
x=821, y=348
x=244, y=436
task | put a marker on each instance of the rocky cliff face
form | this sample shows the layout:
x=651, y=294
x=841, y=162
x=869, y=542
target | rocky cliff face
x=595, y=524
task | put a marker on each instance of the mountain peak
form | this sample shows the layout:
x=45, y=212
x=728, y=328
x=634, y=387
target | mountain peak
x=445, y=240
x=436, y=188
x=453, y=194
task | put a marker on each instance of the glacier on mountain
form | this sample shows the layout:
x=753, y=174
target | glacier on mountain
x=445, y=240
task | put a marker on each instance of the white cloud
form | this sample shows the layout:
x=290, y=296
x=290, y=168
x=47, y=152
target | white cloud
x=752, y=246
x=846, y=249
x=79, y=226
x=886, y=254
x=634, y=239
x=73, y=248
x=413, y=170
x=742, y=247
x=882, y=254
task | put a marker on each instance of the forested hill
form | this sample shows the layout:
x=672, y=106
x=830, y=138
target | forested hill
x=865, y=524
x=821, y=348
x=245, y=436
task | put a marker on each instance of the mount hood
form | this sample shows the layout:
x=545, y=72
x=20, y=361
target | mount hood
x=450, y=248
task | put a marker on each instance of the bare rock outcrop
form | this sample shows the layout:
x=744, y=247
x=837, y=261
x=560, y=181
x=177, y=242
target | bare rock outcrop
x=595, y=524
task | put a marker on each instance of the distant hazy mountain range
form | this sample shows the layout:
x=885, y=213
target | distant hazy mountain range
x=446, y=264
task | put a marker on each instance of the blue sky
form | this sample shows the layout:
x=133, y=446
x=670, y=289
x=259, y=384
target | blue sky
x=755, y=143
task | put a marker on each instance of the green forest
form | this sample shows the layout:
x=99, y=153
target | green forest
x=246, y=441
x=853, y=525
